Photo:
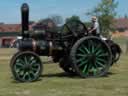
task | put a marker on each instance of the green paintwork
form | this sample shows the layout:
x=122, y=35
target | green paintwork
x=26, y=67
x=97, y=52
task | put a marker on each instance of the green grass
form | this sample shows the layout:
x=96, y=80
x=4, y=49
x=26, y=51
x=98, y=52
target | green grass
x=54, y=82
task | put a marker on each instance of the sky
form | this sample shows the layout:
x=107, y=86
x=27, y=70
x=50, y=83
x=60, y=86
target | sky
x=39, y=9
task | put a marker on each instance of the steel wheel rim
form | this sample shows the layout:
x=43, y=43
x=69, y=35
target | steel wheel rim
x=92, y=57
x=27, y=67
x=76, y=27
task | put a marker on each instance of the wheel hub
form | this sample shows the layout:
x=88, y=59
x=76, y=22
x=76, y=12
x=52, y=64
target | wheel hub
x=27, y=67
x=92, y=57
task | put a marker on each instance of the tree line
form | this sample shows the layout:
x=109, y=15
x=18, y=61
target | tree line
x=105, y=11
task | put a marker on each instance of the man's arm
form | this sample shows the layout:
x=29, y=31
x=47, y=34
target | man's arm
x=94, y=28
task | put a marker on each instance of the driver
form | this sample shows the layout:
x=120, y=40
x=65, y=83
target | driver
x=94, y=30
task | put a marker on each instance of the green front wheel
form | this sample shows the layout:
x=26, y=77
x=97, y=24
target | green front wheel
x=26, y=66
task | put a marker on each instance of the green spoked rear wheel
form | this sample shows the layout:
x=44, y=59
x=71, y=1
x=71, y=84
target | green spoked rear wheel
x=91, y=57
x=26, y=66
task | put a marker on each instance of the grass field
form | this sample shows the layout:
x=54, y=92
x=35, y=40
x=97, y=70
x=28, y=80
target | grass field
x=54, y=82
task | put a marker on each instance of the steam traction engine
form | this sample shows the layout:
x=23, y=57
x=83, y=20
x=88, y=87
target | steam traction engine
x=76, y=51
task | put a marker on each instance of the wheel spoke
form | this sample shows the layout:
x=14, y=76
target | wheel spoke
x=103, y=55
x=32, y=73
x=100, y=64
x=81, y=55
x=36, y=65
x=85, y=48
x=94, y=70
x=91, y=46
x=99, y=51
x=88, y=46
x=29, y=76
x=102, y=60
x=17, y=70
x=20, y=61
x=25, y=60
x=98, y=47
x=82, y=63
x=19, y=65
x=79, y=60
x=95, y=65
x=24, y=76
x=93, y=49
x=85, y=68
x=81, y=50
x=88, y=69
x=34, y=69
x=31, y=60
x=21, y=73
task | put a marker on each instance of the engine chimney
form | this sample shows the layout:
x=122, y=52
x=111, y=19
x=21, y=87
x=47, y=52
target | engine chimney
x=25, y=19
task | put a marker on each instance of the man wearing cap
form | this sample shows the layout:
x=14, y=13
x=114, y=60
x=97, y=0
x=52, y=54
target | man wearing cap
x=95, y=30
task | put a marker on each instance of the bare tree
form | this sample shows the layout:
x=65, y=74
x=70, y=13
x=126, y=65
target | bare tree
x=57, y=19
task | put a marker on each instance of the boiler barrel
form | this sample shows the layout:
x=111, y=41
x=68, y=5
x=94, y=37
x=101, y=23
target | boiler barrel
x=40, y=47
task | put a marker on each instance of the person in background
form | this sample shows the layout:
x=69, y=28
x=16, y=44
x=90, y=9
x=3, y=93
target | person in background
x=94, y=30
